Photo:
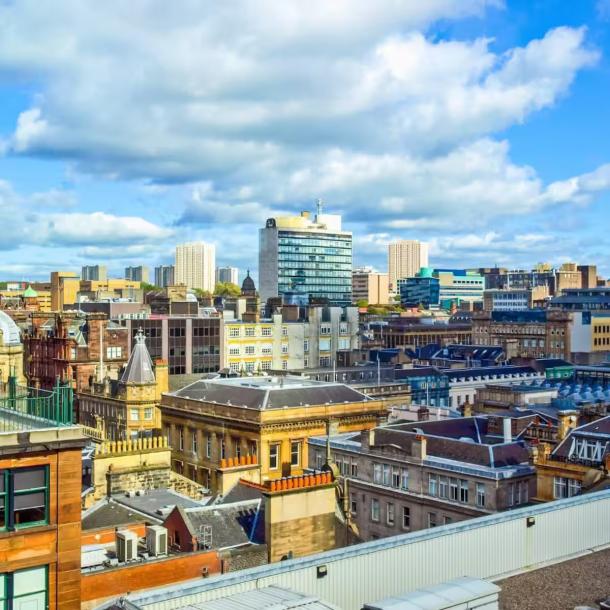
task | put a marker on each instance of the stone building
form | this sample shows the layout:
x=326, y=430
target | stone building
x=407, y=477
x=413, y=333
x=126, y=408
x=11, y=350
x=73, y=346
x=267, y=418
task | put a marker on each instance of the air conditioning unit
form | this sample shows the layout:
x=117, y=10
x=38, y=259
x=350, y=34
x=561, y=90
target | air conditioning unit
x=156, y=540
x=126, y=546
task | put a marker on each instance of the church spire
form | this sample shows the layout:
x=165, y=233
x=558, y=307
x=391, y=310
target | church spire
x=139, y=369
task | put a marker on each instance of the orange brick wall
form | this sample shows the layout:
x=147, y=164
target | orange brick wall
x=108, y=534
x=99, y=586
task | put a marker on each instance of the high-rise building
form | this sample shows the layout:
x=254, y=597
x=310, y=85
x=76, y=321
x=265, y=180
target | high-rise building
x=137, y=274
x=370, y=286
x=227, y=275
x=588, y=275
x=405, y=258
x=94, y=273
x=164, y=276
x=196, y=265
x=310, y=257
x=64, y=287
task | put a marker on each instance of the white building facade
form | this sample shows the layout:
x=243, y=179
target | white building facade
x=196, y=265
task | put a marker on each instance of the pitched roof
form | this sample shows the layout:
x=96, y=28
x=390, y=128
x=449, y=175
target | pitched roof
x=139, y=369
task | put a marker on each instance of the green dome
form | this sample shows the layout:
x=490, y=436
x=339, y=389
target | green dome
x=425, y=272
x=30, y=293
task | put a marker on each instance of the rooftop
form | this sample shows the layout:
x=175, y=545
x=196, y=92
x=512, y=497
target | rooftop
x=270, y=392
x=108, y=513
x=156, y=503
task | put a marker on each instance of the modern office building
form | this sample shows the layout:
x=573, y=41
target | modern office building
x=370, y=286
x=310, y=257
x=164, y=276
x=227, y=275
x=96, y=273
x=64, y=287
x=137, y=274
x=196, y=265
x=421, y=290
x=460, y=285
x=405, y=258
x=514, y=299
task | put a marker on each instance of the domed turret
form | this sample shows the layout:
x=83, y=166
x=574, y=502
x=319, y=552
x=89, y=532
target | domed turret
x=247, y=287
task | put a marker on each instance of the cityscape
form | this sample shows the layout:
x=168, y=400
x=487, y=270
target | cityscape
x=299, y=306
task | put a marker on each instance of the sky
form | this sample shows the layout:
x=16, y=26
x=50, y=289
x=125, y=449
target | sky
x=480, y=126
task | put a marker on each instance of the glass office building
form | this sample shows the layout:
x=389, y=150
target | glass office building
x=308, y=257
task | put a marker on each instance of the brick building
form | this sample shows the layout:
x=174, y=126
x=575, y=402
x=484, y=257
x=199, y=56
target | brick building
x=73, y=346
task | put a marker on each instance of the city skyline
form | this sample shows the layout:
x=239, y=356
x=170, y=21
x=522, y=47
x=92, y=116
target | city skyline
x=492, y=181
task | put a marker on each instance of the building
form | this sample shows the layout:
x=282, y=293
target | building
x=514, y=299
x=64, y=286
x=569, y=275
x=405, y=258
x=582, y=299
x=164, y=276
x=189, y=344
x=196, y=265
x=412, y=476
x=295, y=338
x=126, y=408
x=370, y=286
x=459, y=285
x=116, y=309
x=110, y=289
x=526, y=334
x=11, y=350
x=73, y=347
x=137, y=274
x=94, y=273
x=588, y=274
x=579, y=463
x=40, y=500
x=268, y=419
x=305, y=256
x=227, y=275
x=412, y=333
x=423, y=290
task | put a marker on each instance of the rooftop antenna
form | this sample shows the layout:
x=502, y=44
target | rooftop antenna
x=318, y=208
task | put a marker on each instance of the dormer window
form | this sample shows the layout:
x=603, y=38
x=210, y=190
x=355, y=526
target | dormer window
x=586, y=450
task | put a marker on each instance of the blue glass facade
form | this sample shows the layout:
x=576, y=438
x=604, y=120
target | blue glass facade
x=318, y=264
x=415, y=291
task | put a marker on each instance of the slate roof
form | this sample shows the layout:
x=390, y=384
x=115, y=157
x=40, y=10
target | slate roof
x=270, y=392
x=139, y=369
x=108, y=513
x=240, y=493
x=232, y=524
x=156, y=502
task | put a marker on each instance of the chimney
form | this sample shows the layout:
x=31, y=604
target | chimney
x=467, y=407
x=423, y=414
x=508, y=431
x=419, y=447
x=567, y=421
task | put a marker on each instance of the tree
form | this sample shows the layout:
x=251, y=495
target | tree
x=227, y=289
x=146, y=287
x=202, y=294
x=362, y=303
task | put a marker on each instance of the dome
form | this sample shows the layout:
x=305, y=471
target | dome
x=247, y=285
x=426, y=272
x=9, y=330
x=30, y=293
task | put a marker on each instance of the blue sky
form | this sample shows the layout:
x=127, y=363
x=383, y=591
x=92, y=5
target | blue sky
x=479, y=126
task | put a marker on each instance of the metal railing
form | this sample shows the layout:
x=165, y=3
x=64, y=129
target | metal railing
x=23, y=408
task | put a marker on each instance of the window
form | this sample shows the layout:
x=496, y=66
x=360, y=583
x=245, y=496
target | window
x=374, y=509
x=386, y=474
x=284, y=348
x=447, y=520
x=194, y=440
x=265, y=365
x=234, y=351
x=464, y=491
x=148, y=413
x=395, y=477
x=114, y=352
x=377, y=473
x=223, y=448
x=432, y=481
x=234, y=331
x=404, y=479
x=306, y=345
x=480, y=500
x=353, y=504
x=249, y=350
x=453, y=489
x=431, y=519
x=390, y=513
x=23, y=497
x=24, y=589
x=565, y=488
x=284, y=365
x=266, y=331
x=250, y=331
x=443, y=487
x=324, y=361
x=406, y=517
x=284, y=331
x=253, y=448
x=319, y=460
x=181, y=438
x=325, y=329
x=134, y=414
x=354, y=470
x=295, y=453
x=249, y=367
x=208, y=446
x=274, y=456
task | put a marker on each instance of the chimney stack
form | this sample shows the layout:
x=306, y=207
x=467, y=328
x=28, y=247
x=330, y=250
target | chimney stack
x=567, y=421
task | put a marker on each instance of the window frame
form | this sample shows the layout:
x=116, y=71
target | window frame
x=299, y=452
x=9, y=495
x=274, y=454
x=8, y=599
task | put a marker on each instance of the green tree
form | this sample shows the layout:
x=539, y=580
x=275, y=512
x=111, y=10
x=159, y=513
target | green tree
x=202, y=294
x=362, y=303
x=227, y=289
x=146, y=287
